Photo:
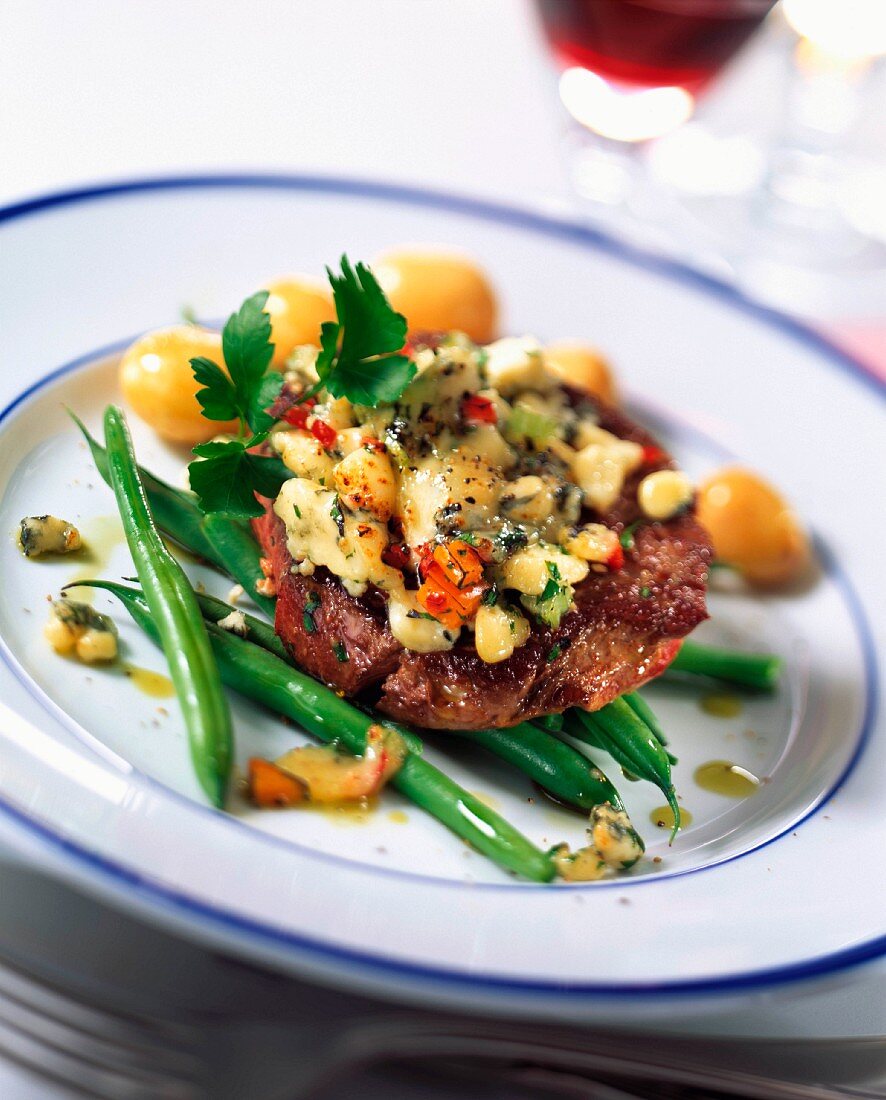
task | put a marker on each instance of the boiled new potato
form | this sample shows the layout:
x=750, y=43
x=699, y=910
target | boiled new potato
x=439, y=290
x=157, y=381
x=752, y=527
x=297, y=306
x=583, y=367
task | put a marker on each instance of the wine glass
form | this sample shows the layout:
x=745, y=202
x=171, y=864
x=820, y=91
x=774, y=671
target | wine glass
x=632, y=70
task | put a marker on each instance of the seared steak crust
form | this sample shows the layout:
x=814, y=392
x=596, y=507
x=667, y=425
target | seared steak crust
x=361, y=626
x=624, y=629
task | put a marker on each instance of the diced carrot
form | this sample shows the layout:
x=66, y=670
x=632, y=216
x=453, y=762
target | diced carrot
x=452, y=570
x=450, y=605
x=469, y=561
x=271, y=786
x=460, y=562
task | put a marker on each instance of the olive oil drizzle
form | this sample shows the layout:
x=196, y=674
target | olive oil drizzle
x=151, y=683
x=725, y=778
x=663, y=817
x=721, y=704
x=101, y=536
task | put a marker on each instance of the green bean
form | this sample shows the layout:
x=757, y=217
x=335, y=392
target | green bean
x=754, y=670
x=235, y=545
x=554, y=765
x=618, y=730
x=175, y=512
x=553, y=723
x=226, y=543
x=646, y=714
x=263, y=677
x=178, y=619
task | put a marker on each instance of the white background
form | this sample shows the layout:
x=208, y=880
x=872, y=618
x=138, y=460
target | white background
x=450, y=93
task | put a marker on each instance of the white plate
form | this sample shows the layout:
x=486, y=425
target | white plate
x=783, y=886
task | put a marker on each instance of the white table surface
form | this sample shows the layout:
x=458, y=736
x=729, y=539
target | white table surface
x=456, y=95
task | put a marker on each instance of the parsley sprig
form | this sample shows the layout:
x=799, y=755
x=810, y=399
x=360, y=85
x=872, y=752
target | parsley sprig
x=359, y=359
x=227, y=475
x=359, y=353
x=246, y=391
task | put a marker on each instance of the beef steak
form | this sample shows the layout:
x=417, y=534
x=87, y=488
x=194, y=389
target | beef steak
x=625, y=627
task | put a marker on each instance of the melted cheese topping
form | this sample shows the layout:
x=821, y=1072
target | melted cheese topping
x=483, y=450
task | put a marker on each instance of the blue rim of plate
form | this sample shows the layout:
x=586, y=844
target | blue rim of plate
x=596, y=240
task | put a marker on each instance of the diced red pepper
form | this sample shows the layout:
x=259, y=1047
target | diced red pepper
x=324, y=433
x=617, y=558
x=652, y=455
x=396, y=555
x=436, y=601
x=479, y=409
x=298, y=414
x=425, y=558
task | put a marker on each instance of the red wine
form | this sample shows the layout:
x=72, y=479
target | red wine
x=651, y=42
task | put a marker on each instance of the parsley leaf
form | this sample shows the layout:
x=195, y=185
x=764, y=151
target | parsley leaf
x=247, y=349
x=228, y=477
x=261, y=397
x=218, y=398
x=550, y=590
x=358, y=357
x=553, y=587
x=247, y=389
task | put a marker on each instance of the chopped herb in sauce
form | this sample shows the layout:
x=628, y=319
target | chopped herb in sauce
x=491, y=596
x=510, y=538
x=341, y=654
x=626, y=538
x=553, y=586
x=311, y=605
x=335, y=512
